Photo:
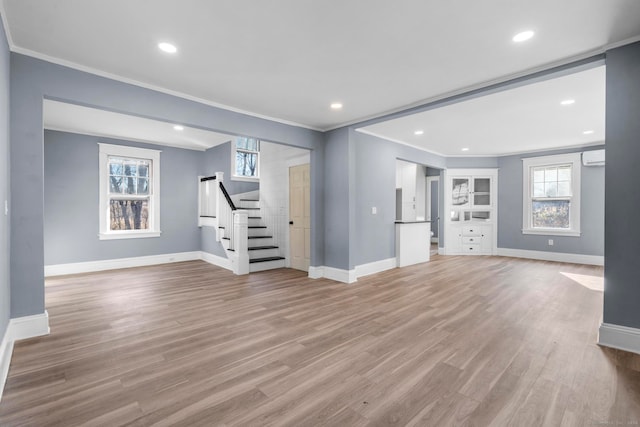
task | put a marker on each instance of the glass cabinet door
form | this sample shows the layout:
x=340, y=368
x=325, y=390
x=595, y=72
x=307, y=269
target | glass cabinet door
x=482, y=191
x=460, y=191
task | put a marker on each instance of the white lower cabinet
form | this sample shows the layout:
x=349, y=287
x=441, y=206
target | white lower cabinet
x=470, y=239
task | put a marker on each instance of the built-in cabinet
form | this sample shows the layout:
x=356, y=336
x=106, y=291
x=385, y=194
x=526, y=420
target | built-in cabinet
x=470, y=225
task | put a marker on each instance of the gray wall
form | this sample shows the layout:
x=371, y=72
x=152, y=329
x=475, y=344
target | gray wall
x=622, y=244
x=591, y=241
x=4, y=182
x=33, y=79
x=375, y=183
x=218, y=159
x=71, y=200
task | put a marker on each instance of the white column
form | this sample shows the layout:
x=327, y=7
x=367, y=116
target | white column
x=218, y=196
x=240, y=260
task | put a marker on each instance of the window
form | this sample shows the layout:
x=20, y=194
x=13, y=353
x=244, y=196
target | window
x=245, y=159
x=129, y=192
x=551, y=195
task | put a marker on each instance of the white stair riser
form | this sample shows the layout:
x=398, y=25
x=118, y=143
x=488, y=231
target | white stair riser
x=261, y=242
x=263, y=253
x=240, y=204
x=267, y=265
x=255, y=221
x=259, y=232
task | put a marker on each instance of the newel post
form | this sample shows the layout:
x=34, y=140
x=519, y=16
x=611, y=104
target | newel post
x=219, y=199
x=240, y=262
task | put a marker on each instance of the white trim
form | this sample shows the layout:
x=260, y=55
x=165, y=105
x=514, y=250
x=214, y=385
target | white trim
x=106, y=150
x=316, y=272
x=441, y=251
x=552, y=256
x=216, y=260
x=339, y=275
x=207, y=221
x=620, y=337
x=6, y=350
x=112, y=264
x=375, y=267
x=22, y=328
x=574, y=159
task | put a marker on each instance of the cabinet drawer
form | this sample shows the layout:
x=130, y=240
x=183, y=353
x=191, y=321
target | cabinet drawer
x=475, y=240
x=471, y=249
x=470, y=230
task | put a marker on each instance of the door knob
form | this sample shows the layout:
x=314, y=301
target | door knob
x=290, y=222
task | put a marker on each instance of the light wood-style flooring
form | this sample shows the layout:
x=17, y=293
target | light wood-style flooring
x=457, y=341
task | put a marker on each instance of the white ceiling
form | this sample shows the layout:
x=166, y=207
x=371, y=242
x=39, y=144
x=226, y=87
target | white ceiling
x=91, y=121
x=527, y=118
x=289, y=59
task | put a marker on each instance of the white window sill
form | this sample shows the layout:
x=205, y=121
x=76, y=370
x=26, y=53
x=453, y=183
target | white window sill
x=552, y=232
x=128, y=235
x=244, y=178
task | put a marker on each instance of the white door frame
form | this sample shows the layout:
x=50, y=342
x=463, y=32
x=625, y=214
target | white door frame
x=431, y=179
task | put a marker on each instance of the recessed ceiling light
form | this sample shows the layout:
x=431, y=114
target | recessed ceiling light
x=336, y=106
x=568, y=102
x=167, y=47
x=178, y=127
x=588, y=132
x=523, y=36
x=418, y=132
x=465, y=149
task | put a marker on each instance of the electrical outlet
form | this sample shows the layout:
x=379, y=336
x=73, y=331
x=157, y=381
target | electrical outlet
x=374, y=210
x=550, y=242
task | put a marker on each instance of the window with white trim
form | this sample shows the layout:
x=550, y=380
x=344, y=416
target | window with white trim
x=245, y=159
x=129, y=192
x=551, y=195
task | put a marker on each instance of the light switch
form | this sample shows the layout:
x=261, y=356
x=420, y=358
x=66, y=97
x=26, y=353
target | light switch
x=374, y=210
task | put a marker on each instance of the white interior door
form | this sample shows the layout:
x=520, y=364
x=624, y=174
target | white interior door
x=300, y=216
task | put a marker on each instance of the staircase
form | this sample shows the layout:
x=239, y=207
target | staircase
x=263, y=253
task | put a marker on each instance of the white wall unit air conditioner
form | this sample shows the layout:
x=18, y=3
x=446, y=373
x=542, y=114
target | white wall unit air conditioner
x=593, y=158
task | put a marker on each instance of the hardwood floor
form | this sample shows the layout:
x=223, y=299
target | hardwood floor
x=458, y=341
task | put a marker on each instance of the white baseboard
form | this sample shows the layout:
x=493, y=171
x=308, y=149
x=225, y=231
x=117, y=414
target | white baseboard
x=316, y=272
x=441, y=251
x=351, y=276
x=552, y=256
x=337, y=274
x=620, y=337
x=375, y=267
x=112, y=264
x=21, y=328
x=6, y=350
x=216, y=260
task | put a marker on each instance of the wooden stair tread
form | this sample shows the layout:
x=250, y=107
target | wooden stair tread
x=271, y=258
x=258, y=248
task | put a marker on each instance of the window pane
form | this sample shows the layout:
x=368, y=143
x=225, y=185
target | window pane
x=130, y=185
x=564, y=173
x=550, y=174
x=460, y=191
x=130, y=168
x=241, y=143
x=538, y=175
x=143, y=169
x=550, y=213
x=129, y=214
x=551, y=189
x=538, y=190
x=115, y=184
x=115, y=167
x=246, y=164
x=143, y=186
x=564, y=189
